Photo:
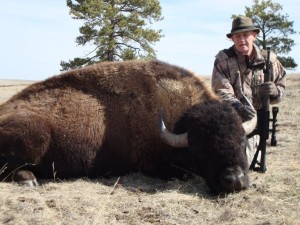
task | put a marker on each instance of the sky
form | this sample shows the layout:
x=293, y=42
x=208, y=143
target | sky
x=36, y=35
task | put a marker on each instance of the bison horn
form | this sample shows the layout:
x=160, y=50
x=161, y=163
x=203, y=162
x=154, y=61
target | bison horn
x=249, y=125
x=174, y=140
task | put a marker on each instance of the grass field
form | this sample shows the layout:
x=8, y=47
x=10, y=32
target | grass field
x=273, y=197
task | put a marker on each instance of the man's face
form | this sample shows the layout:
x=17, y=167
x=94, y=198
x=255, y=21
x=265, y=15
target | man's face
x=243, y=41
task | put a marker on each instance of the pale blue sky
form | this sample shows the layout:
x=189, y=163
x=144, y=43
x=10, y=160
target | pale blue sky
x=37, y=34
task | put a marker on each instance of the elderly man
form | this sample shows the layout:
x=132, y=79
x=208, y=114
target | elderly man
x=238, y=72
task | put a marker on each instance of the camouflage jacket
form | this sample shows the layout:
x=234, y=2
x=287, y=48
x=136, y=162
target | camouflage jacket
x=234, y=75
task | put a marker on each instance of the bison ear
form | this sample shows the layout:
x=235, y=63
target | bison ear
x=174, y=140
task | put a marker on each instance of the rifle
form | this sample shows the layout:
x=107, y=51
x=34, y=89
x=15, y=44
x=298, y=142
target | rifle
x=263, y=116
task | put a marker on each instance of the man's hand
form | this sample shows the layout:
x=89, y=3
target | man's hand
x=245, y=111
x=268, y=88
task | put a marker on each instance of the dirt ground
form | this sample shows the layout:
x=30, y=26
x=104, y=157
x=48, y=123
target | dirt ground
x=273, y=197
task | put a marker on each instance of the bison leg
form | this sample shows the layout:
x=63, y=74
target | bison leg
x=24, y=139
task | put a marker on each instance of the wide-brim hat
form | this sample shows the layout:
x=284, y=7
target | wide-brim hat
x=242, y=24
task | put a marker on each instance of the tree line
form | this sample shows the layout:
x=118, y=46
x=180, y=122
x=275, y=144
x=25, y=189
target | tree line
x=121, y=30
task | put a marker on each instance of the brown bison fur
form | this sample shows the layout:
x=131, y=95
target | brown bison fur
x=103, y=120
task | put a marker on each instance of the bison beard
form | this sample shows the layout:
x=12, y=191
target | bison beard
x=102, y=120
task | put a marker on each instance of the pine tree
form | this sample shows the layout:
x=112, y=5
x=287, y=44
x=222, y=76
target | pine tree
x=275, y=29
x=118, y=29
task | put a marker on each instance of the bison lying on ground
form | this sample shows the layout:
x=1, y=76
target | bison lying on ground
x=103, y=120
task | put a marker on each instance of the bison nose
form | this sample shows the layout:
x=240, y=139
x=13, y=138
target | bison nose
x=234, y=180
x=229, y=180
x=231, y=183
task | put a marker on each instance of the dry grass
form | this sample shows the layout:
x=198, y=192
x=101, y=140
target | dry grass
x=273, y=198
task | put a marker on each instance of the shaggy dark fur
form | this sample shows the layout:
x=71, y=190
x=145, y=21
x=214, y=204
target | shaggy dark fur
x=102, y=120
x=217, y=129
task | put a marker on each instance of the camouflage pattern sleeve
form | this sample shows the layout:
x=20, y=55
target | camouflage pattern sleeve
x=221, y=83
x=279, y=78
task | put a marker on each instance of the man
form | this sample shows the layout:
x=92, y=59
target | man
x=238, y=72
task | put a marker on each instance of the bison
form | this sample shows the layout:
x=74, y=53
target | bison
x=103, y=120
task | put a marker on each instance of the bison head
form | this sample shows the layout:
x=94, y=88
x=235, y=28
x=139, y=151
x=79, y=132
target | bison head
x=214, y=135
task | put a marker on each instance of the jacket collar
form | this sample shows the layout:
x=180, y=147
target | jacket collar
x=258, y=61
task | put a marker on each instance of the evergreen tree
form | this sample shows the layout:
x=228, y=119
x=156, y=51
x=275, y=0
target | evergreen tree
x=118, y=29
x=275, y=29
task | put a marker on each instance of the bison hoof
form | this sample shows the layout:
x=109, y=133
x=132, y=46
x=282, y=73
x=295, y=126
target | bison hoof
x=25, y=178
